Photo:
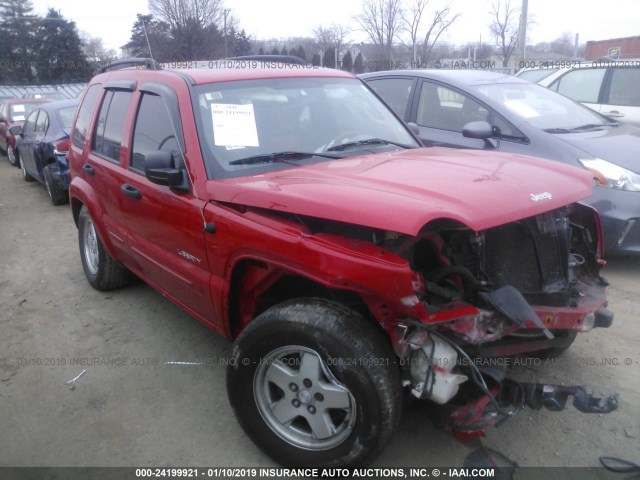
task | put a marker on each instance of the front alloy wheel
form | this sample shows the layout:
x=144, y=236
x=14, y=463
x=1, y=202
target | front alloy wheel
x=313, y=383
x=301, y=400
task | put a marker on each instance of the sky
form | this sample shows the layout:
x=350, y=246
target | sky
x=112, y=20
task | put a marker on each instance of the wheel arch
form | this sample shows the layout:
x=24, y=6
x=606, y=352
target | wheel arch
x=255, y=285
x=81, y=195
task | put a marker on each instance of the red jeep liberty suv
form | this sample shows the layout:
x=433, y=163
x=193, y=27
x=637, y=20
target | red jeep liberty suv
x=288, y=208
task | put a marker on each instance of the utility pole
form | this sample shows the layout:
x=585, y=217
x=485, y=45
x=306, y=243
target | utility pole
x=522, y=34
x=226, y=12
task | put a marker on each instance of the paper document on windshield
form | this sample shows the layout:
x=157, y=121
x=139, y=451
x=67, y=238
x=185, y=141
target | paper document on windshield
x=234, y=125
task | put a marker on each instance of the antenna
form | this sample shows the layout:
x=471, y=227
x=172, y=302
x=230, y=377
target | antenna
x=144, y=27
x=175, y=132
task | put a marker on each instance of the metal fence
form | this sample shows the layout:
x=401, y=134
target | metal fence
x=69, y=90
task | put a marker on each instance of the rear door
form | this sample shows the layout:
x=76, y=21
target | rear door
x=103, y=168
x=24, y=143
x=165, y=226
x=42, y=125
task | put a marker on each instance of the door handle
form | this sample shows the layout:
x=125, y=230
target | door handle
x=131, y=191
x=88, y=168
x=613, y=114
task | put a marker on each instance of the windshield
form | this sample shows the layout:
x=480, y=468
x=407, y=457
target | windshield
x=541, y=107
x=536, y=75
x=253, y=126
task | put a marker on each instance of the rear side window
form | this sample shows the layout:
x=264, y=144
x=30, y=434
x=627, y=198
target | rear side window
x=581, y=85
x=30, y=124
x=84, y=115
x=110, y=126
x=394, y=91
x=624, y=90
x=43, y=122
x=153, y=131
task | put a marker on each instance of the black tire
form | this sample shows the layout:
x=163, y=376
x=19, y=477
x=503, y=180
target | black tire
x=102, y=271
x=26, y=177
x=57, y=195
x=355, y=390
x=12, y=155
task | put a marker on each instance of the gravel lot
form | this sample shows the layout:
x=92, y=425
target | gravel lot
x=131, y=408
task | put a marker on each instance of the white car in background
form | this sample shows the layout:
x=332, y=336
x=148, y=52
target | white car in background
x=608, y=87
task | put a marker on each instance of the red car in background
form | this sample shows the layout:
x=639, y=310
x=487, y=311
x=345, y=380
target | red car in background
x=14, y=112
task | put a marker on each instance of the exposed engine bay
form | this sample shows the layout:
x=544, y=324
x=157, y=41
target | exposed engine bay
x=524, y=287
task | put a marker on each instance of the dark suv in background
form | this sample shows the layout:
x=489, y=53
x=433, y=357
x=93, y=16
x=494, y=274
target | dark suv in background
x=289, y=209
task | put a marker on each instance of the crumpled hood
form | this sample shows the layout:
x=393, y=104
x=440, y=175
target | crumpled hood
x=403, y=191
x=619, y=145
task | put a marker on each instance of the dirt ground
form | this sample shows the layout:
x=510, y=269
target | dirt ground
x=132, y=407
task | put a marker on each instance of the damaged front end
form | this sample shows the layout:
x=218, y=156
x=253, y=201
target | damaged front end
x=526, y=287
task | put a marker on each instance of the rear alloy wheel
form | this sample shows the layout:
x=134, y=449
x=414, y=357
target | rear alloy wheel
x=314, y=384
x=57, y=195
x=12, y=156
x=25, y=175
x=102, y=271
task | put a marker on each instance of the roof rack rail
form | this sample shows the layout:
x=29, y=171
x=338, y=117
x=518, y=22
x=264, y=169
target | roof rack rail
x=271, y=58
x=148, y=63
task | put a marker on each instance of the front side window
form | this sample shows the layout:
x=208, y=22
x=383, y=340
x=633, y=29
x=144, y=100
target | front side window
x=154, y=131
x=110, y=127
x=581, y=85
x=255, y=126
x=447, y=109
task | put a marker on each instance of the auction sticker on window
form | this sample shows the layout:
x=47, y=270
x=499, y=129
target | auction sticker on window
x=234, y=125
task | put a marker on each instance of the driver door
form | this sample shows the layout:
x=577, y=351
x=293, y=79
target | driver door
x=165, y=226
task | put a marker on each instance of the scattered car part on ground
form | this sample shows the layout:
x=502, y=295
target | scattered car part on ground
x=290, y=210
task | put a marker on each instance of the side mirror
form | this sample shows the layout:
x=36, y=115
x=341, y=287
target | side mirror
x=16, y=130
x=481, y=130
x=416, y=131
x=414, y=128
x=160, y=168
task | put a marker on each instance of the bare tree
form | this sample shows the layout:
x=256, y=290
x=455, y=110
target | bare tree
x=381, y=20
x=440, y=22
x=181, y=14
x=504, y=27
x=333, y=37
x=93, y=48
x=412, y=22
x=411, y=18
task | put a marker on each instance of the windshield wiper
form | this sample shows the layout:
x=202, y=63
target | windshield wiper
x=369, y=141
x=279, y=157
x=588, y=126
x=557, y=130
